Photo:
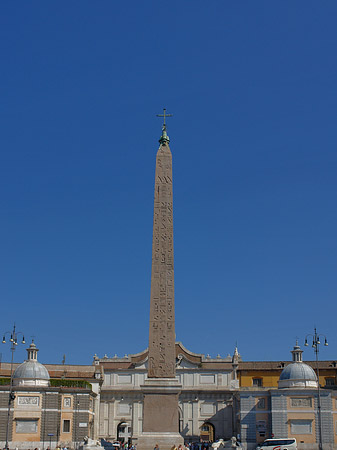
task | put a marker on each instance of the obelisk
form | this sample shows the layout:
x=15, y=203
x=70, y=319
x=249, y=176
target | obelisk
x=161, y=388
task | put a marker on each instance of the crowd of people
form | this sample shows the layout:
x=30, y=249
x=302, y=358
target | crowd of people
x=187, y=446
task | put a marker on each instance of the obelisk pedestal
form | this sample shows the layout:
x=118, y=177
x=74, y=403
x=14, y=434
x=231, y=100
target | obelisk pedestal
x=161, y=417
x=161, y=388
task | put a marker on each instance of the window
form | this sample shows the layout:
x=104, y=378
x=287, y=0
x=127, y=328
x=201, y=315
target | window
x=261, y=426
x=26, y=426
x=257, y=382
x=66, y=426
x=329, y=381
x=275, y=442
x=301, y=427
x=261, y=403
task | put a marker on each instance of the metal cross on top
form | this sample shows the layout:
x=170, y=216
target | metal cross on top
x=164, y=115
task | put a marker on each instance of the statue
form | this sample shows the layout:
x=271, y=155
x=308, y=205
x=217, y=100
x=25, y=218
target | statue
x=219, y=444
x=90, y=444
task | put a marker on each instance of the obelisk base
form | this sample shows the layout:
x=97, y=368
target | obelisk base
x=165, y=441
x=161, y=416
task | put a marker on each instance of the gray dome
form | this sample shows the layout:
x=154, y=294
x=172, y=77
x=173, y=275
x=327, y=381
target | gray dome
x=31, y=370
x=298, y=371
x=297, y=375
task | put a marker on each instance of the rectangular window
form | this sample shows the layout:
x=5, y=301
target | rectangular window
x=329, y=381
x=66, y=426
x=261, y=403
x=257, y=382
x=261, y=426
x=301, y=427
x=26, y=426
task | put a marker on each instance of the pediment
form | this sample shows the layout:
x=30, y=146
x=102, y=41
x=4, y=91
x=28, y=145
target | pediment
x=142, y=365
x=184, y=363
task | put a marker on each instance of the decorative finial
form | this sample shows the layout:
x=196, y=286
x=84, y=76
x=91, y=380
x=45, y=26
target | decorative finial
x=164, y=137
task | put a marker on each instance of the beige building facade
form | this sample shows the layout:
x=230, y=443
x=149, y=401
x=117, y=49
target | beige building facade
x=207, y=404
x=49, y=405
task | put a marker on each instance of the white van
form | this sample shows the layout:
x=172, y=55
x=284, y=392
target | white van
x=278, y=444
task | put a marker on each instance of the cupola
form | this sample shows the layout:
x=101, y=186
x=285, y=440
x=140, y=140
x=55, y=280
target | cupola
x=31, y=372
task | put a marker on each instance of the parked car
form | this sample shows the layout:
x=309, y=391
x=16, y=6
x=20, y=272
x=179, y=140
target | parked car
x=278, y=444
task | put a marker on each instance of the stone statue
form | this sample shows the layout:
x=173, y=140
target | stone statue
x=219, y=444
x=90, y=444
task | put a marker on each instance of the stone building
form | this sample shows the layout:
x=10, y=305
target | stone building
x=207, y=402
x=291, y=410
x=219, y=398
x=44, y=411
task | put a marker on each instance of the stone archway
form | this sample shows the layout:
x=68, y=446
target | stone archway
x=207, y=432
x=123, y=432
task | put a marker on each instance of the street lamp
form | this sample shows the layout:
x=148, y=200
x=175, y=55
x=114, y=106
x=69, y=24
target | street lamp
x=14, y=342
x=76, y=422
x=50, y=436
x=315, y=345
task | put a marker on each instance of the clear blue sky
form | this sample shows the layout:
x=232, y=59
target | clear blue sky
x=252, y=86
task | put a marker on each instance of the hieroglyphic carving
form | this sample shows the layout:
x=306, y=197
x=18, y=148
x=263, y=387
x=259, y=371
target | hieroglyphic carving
x=162, y=330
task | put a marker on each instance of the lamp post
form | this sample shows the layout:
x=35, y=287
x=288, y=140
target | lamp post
x=50, y=436
x=315, y=345
x=76, y=424
x=14, y=342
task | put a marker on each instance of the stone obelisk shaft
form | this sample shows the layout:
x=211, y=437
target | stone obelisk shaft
x=161, y=388
x=162, y=330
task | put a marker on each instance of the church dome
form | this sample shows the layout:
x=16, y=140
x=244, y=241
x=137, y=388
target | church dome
x=297, y=374
x=31, y=372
